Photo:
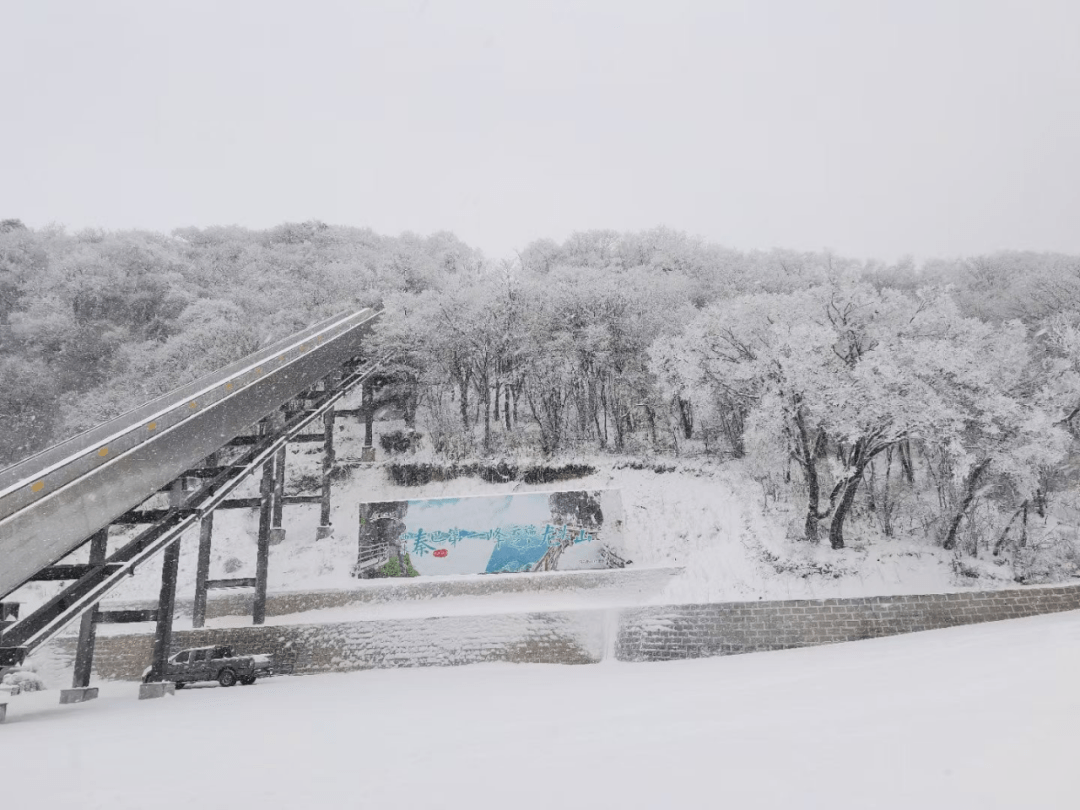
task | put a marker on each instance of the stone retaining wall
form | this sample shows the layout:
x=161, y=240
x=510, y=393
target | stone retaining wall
x=693, y=631
x=655, y=633
x=575, y=637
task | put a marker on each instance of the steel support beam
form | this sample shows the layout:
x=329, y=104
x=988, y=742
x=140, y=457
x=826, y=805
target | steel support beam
x=202, y=566
x=166, y=607
x=262, y=562
x=324, y=529
x=202, y=570
x=141, y=516
x=279, y=488
x=84, y=652
x=57, y=573
x=241, y=441
x=239, y=582
x=125, y=616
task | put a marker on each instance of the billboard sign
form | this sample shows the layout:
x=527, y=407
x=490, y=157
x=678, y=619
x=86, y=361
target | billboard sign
x=493, y=534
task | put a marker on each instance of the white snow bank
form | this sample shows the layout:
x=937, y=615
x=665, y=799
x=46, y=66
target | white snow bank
x=982, y=716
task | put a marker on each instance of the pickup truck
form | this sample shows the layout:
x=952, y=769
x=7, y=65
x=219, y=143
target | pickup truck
x=214, y=664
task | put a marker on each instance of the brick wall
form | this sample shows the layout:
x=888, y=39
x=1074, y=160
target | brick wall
x=545, y=638
x=656, y=633
x=693, y=631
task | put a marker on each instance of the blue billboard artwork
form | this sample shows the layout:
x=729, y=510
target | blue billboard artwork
x=495, y=534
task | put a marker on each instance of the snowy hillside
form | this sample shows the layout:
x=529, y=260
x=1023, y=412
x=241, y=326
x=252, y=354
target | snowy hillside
x=702, y=516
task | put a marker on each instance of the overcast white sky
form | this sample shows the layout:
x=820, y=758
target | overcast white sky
x=930, y=127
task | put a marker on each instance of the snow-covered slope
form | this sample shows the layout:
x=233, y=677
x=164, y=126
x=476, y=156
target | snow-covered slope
x=700, y=515
x=969, y=717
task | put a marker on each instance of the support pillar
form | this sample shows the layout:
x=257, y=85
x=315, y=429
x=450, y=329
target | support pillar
x=262, y=563
x=166, y=608
x=84, y=652
x=277, y=533
x=279, y=487
x=325, y=529
x=202, y=570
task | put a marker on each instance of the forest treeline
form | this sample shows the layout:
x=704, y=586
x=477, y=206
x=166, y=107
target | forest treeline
x=913, y=396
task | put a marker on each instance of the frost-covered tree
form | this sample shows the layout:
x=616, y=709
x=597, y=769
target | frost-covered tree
x=846, y=371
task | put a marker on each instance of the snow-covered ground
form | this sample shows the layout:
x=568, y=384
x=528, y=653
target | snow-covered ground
x=971, y=717
x=703, y=517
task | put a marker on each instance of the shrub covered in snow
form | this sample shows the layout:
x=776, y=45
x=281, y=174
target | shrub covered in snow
x=25, y=677
x=400, y=441
x=1054, y=559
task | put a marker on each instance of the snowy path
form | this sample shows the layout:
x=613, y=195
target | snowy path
x=980, y=717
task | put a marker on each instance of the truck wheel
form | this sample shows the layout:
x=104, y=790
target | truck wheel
x=248, y=681
x=227, y=677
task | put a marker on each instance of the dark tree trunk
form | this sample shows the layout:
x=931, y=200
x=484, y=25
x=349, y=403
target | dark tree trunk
x=970, y=485
x=836, y=528
x=862, y=453
x=620, y=425
x=1022, y=511
x=594, y=404
x=604, y=409
x=651, y=416
x=813, y=490
x=821, y=446
x=686, y=417
x=886, y=505
x=464, y=405
x=906, y=464
x=1023, y=526
x=871, y=503
x=487, y=415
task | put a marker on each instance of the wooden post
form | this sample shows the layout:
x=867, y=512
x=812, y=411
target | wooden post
x=262, y=563
x=84, y=652
x=166, y=608
x=324, y=530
